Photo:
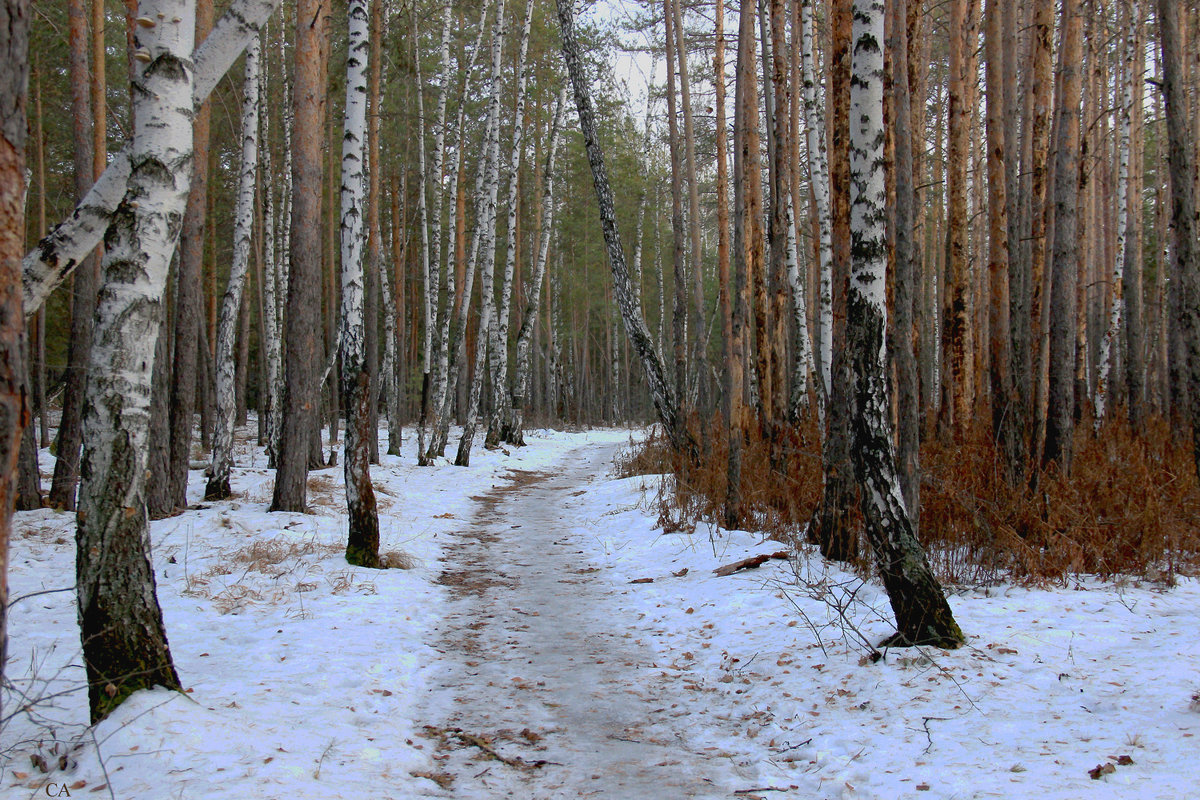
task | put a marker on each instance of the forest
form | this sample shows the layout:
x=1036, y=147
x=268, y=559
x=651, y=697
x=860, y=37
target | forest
x=848, y=329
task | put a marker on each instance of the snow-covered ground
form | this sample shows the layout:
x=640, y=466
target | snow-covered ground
x=309, y=679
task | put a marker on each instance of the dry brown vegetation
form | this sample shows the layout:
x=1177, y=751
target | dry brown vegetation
x=1130, y=507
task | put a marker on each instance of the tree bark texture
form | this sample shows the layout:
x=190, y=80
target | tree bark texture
x=14, y=406
x=227, y=328
x=922, y=614
x=124, y=642
x=301, y=392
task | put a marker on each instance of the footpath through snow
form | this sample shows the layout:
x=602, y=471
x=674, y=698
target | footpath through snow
x=584, y=653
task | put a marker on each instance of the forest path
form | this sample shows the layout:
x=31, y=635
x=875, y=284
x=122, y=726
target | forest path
x=541, y=691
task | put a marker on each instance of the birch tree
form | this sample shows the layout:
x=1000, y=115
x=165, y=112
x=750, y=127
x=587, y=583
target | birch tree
x=818, y=167
x=1124, y=142
x=243, y=229
x=484, y=240
x=14, y=412
x=498, y=361
x=521, y=373
x=362, y=545
x=627, y=299
x=64, y=248
x=124, y=642
x=922, y=614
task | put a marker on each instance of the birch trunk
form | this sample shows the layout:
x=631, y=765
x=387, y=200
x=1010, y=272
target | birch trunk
x=270, y=290
x=65, y=247
x=627, y=300
x=362, y=543
x=520, y=391
x=1124, y=139
x=818, y=166
x=922, y=614
x=428, y=284
x=124, y=642
x=243, y=229
x=498, y=362
x=485, y=236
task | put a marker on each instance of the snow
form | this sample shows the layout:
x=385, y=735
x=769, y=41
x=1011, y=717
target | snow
x=310, y=679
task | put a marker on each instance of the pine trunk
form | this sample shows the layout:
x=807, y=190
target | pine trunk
x=302, y=324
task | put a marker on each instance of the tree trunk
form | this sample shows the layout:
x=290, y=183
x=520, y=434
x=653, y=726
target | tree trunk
x=124, y=643
x=830, y=527
x=14, y=410
x=498, y=361
x=1131, y=267
x=1181, y=157
x=1124, y=139
x=64, y=248
x=362, y=543
x=700, y=338
x=818, y=166
x=243, y=228
x=958, y=378
x=679, y=305
x=627, y=300
x=520, y=391
x=483, y=240
x=1004, y=421
x=907, y=378
x=189, y=293
x=301, y=393
x=922, y=614
x=66, y=464
x=1060, y=419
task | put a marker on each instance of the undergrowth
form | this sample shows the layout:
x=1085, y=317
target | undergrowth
x=1129, y=507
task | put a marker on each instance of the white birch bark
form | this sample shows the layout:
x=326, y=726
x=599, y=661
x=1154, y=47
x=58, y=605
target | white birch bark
x=243, y=230
x=819, y=174
x=57, y=255
x=271, y=267
x=121, y=623
x=449, y=321
x=498, y=361
x=1124, y=138
x=485, y=229
x=362, y=545
x=922, y=614
x=520, y=391
x=390, y=380
x=802, y=351
x=429, y=304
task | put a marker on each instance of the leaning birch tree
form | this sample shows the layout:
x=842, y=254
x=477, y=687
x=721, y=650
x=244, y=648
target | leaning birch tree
x=922, y=614
x=124, y=641
x=243, y=229
x=665, y=402
x=362, y=544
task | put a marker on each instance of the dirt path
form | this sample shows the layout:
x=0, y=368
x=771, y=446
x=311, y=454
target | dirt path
x=542, y=692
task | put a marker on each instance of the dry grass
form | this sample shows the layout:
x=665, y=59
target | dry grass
x=1130, y=507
